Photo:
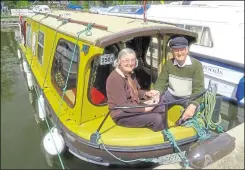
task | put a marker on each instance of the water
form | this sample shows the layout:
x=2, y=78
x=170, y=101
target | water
x=21, y=137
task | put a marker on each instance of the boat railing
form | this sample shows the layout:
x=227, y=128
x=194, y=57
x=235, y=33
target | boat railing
x=165, y=116
x=60, y=17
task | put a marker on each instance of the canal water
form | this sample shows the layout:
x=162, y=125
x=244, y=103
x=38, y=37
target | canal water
x=21, y=136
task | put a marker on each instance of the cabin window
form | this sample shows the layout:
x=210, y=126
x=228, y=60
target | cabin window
x=196, y=29
x=206, y=39
x=66, y=55
x=101, y=67
x=130, y=9
x=116, y=9
x=40, y=46
x=28, y=35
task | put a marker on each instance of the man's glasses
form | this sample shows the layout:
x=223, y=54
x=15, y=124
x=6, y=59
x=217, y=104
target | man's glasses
x=179, y=50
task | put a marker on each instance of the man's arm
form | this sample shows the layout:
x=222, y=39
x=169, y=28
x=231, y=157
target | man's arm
x=197, y=88
x=198, y=84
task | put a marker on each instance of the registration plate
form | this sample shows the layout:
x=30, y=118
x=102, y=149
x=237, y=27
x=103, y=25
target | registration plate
x=107, y=59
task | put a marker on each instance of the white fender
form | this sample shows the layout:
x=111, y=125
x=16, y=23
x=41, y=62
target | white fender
x=18, y=53
x=26, y=67
x=31, y=97
x=30, y=82
x=41, y=107
x=21, y=67
x=53, y=144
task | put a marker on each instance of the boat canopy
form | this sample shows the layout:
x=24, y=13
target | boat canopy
x=106, y=29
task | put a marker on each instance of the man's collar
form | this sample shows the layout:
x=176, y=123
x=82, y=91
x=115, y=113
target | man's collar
x=187, y=62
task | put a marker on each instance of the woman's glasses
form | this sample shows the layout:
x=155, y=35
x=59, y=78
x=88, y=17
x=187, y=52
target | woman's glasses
x=127, y=61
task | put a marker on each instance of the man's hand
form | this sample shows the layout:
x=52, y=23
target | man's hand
x=189, y=112
x=152, y=93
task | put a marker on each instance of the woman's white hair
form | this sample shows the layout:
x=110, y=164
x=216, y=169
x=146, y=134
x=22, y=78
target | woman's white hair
x=123, y=53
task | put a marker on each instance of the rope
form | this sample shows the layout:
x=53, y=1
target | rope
x=167, y=159
x=174, y=144
x=202, y=130
x=203, y=133
x=87, y=30
x=87, y=33
x=61, y=162
x=63, y=23
x=210, y=101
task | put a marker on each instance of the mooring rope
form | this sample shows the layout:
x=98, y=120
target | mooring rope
x=203, y=133
x=87, y=33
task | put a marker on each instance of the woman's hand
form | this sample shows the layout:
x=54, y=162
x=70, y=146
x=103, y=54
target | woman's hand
x=152, y=93
x=148, y=109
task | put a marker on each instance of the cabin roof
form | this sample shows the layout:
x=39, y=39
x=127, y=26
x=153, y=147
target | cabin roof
x=117, y=27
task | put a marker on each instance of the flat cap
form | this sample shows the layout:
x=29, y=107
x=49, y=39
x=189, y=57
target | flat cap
x=178, y=42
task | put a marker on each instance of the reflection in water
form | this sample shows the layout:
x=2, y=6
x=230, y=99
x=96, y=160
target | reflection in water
x=8, y=62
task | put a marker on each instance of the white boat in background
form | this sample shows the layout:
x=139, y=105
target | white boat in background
x=220, y=45
x=218, y=3
x=126, y=10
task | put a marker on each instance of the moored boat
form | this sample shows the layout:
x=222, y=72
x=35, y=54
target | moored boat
x=69, y=56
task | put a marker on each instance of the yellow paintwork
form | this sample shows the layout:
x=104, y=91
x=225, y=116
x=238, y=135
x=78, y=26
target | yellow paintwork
x=84, y=118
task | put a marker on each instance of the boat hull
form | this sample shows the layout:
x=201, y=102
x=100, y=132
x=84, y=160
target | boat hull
x=93, y=153
x=225, y=76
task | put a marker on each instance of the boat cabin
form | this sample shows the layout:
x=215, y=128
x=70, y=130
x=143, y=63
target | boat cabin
x=93, y=57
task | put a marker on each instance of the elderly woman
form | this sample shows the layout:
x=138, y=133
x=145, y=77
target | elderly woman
x=123, y=90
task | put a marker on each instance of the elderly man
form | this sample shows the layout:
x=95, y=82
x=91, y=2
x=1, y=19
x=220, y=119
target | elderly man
x=181, y=76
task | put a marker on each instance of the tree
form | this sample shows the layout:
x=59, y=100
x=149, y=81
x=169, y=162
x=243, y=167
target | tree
x=22, y=4
x=10, y=4
x=85, y=4
x=75, y=2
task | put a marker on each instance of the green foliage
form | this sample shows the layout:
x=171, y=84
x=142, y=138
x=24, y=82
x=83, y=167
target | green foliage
x=75, y=2
x=22, y=4
x=85, y=4
x=17, y=4
x=10, y=4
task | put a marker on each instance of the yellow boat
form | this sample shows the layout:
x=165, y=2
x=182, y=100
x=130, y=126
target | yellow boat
x=82, y=47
